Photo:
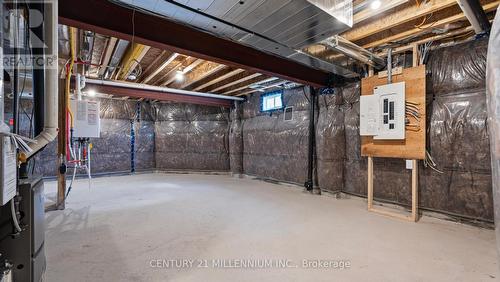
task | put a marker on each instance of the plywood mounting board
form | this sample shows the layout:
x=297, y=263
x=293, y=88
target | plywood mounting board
x=413, y=147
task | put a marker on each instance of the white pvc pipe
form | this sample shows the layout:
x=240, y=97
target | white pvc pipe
x=14, y=216
x=3, y=126
x=50, y=127
x=471, y=16
x=158, y=89
x=78, y=85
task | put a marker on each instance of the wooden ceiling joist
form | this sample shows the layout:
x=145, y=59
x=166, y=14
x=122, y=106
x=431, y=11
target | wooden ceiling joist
x=108, y=53
x=153, y=65
x=228, y=74
x=267, y=87
x=247, y=84
x=167, y=62
x=384, y=6
x=168, y=72
x=408, y=47
x=414, y=31
x=246, y=78
x=398, y=17
x=204, y=70
x=171, y=74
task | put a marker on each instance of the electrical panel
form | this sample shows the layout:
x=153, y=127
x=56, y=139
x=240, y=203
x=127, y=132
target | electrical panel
x=86, y=120
x=382, y=115
x=8, y=167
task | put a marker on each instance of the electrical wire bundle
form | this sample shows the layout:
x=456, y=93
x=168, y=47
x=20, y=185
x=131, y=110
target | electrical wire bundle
x=412, y=112
x=423, y=51
x=429, y=162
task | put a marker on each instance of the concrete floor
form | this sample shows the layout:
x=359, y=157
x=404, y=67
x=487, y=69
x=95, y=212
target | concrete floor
x=132, y=228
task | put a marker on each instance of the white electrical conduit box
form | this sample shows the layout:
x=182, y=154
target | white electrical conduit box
x=382, y=115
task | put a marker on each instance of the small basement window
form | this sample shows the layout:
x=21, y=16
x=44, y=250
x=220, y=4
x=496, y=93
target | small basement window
x=271, y=101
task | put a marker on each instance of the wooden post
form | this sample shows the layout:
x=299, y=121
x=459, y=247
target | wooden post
x=370, y=183
x=371, y=72
x=61, y=146
x=414, y=191
x=415, y=56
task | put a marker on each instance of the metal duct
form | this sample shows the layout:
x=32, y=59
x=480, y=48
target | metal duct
x=280, y=27
x=50, y=126
x=354, y=51
x=339, y=9
x=120, y=49
x=3, y=126
x=139, y=86
x=475, y=14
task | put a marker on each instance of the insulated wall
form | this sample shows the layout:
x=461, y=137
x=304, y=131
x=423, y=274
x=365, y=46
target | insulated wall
x=272, y=147
x=191, y=137
x=330, y=141
x=457, y=139
x=125, y=124
x=145, y=136
x=111, y=152
x=493, y=95
x=457, y=132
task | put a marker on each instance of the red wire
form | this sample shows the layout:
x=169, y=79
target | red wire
x=67, y=137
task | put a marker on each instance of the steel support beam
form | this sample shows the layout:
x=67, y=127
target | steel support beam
x=164, y=34
x=160, y=96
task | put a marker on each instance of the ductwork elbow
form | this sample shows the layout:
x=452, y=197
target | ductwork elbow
x=48, y=135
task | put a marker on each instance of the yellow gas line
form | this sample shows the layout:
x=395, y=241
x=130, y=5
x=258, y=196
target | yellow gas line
x=72, y=42
x=135, y=54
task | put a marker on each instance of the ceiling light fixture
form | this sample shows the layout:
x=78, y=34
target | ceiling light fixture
x=91, y=93
x=179, y=76
x=375, y=4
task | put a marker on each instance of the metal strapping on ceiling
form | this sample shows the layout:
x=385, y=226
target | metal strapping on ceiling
x=281, y=27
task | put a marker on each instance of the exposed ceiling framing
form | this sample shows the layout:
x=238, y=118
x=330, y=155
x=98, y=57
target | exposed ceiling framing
x=215, y=65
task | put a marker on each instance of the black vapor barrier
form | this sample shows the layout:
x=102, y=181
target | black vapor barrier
x=458, y=140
